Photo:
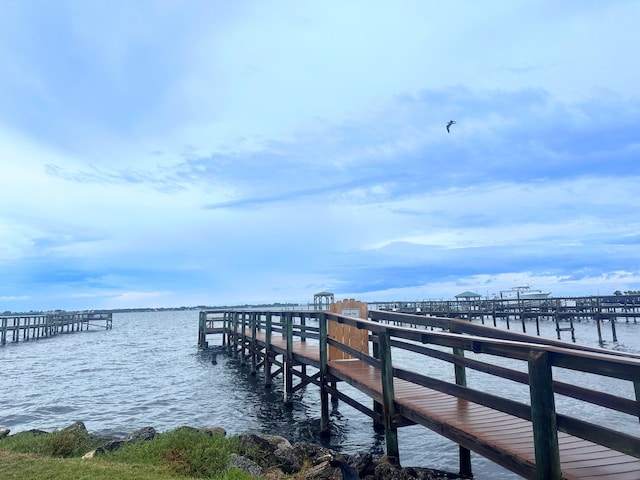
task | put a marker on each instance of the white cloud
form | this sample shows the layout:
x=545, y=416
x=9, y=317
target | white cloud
x=210, y=153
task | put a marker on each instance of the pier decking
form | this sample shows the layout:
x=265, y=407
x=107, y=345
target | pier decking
x=528, y=437
x=21, y=328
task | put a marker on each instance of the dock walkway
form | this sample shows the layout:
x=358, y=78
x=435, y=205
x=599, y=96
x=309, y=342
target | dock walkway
x=23, y=327
x=530, y=439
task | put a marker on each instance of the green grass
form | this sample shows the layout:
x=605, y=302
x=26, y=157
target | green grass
x=178, y=454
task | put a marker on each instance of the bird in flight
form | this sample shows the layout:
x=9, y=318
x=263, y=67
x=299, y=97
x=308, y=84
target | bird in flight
x=451, y=122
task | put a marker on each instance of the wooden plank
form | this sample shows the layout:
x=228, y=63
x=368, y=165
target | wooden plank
x=356, y=338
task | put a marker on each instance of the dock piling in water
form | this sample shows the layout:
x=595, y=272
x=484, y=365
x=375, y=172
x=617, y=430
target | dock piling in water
x=26, y=327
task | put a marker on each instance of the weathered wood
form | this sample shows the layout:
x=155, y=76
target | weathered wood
x=324, y=395
x=288, y=374
x=18, y=328
x=388, y=395
x=346, y=334
x=267, y=351
x=461, y=379
x=543, y=417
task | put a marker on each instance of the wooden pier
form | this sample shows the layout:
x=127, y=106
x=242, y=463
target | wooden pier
x=519, y=313
x=22, y=328
x=530, y=437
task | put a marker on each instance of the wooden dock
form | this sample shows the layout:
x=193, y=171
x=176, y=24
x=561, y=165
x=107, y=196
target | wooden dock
x=22, y=328
x=529, y=438
x=520, y=313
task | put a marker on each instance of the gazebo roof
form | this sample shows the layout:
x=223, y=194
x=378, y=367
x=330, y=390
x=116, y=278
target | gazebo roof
x=468, y=294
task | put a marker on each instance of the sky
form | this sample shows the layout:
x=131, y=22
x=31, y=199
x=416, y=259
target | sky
x=171, y=153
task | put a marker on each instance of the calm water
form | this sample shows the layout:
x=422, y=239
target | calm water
x=148, y=371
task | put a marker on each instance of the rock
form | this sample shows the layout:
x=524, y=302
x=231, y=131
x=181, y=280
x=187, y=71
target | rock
x=4, y=432
x=144, y=434
x=270, y=450
x=311, y=452
x=77, y=427
x=35, y=431
x=390, y=472
x=323, y=471
x=244, y=464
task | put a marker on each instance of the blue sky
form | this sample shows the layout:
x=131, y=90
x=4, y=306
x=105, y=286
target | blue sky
x=169, y=153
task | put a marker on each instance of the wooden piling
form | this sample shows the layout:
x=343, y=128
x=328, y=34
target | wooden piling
x=388, y=395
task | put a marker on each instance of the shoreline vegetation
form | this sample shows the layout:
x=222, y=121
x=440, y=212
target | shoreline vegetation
x=186, y=453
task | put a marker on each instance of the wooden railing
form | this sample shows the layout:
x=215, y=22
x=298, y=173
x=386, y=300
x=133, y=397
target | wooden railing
x=17, y=327
x=464, y=346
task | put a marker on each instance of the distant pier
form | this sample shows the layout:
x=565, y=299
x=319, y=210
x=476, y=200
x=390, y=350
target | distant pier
x=519, y=313
x=22, y=328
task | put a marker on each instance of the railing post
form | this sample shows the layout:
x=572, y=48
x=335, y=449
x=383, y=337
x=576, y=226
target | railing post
x=388, y=395
x=324, y=395
x=254, y=344
x=303, y=339
x=543, y=417
x=288, y=375
x=243, y=333
x=236, y=316
x=636, y=389
x=267, y=353
x=226, y=327
x=461, y=379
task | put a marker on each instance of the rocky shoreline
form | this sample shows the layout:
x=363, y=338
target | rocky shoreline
x=275, y=458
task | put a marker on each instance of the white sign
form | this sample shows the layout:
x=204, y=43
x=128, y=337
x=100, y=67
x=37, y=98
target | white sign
x=351, y=312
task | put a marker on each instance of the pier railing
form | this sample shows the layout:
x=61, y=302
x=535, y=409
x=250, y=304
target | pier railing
x=510, y=357
x=21, y=327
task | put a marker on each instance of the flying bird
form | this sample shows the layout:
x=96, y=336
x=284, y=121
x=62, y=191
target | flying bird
x=451, y=122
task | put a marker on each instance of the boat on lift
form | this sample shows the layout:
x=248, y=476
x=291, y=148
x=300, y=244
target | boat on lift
x=523, y=292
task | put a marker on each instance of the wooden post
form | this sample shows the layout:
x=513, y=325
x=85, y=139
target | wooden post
x=254, y=344
x=288, y=374
x=522, y=316
x=388, y=395
x=243, y=334
x=494, y=313
x=543, y=417
x=558, y=318
x=236, y=315
x=202, y=329
x=267, y=352
x=324, y=395
x=636, y=389
x=230, y=325
x=303, y=338
x=461, y=379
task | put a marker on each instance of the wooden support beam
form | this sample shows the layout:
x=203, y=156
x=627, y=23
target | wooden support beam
x=388, y=395
x=543, y=417
x=324, y=394
x=288, y=360
x=464, y=453
x=267, y=352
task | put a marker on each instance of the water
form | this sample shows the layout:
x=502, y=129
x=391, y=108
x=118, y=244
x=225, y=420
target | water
x=148, y=371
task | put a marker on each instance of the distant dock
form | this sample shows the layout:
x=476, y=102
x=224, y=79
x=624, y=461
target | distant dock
x=519, y=313
x=22, y=328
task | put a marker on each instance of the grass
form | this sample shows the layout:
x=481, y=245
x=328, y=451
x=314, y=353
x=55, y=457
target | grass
x=184, y=453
